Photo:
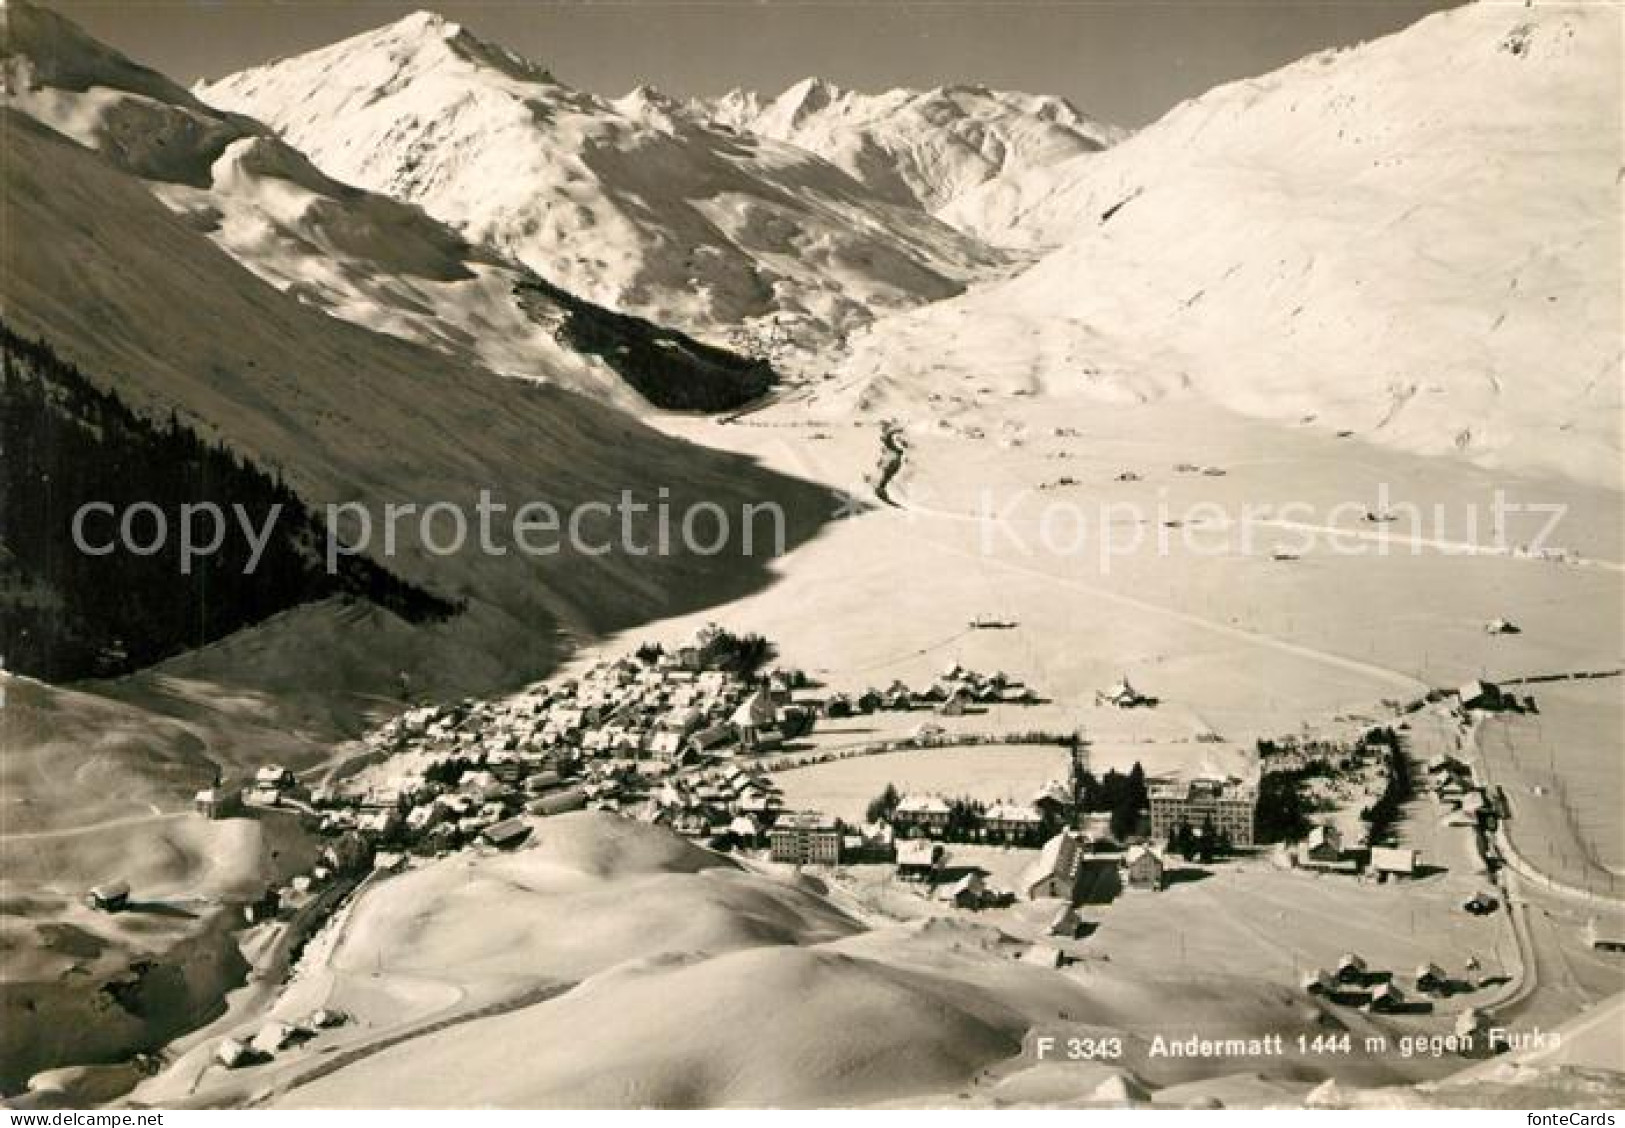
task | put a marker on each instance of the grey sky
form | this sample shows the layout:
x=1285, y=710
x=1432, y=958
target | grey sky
x=1125, y=61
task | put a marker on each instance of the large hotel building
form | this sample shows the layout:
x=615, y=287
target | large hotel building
x=1229, y=803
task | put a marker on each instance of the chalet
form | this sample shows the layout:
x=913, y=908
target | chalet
x=1351, y=969
x=1122, y=696
x=919, y=860
x=216, y=802
x=110, y=897
x=955, y=700
x=1473, y=1027
x=274, y=776
x=1386, y=999
x=1324, y=845
x=231, y=1053
x=1143, y=869
x=1054, y=873
x=1481, y=695
x=745, y=830
x=1431, y=980
x=1319, y=982
x=969, y=892
x=806, y=838
x=276, y=1036
x=1388, y=861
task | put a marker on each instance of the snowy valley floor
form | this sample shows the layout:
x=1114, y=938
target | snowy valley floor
x=751, y=986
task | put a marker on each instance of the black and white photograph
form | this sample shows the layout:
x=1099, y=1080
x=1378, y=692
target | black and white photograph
x=876, y=557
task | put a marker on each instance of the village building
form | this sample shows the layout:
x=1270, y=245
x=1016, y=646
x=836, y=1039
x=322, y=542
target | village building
x=1431, y=979
x=969, y=892
x=1143, y=869
x=1386, y=999
x=955, y=700
x=1604, y=938
x=754, y=717
x=1044, y=954
x=231, y=1053
x=558, y=802
x=1395, y=862
x=1324, y=845
x=1013, y=823
x=806, y=838
x=274, y=776
x=275, y=1036
x=898, y=697
x=1054, y=873
x=1122, y=696
x=921, y=816
x=1229, y=804
x=1065, y=923
x=919, y=860
x=216, y=802
x=1319, y=982
x=1483, y=695
x=1351, y=968
x=109, y=897
x=506, y=834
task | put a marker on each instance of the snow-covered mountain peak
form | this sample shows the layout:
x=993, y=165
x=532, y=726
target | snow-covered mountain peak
x=422, y=44
x=922, y=148
x=635, y=203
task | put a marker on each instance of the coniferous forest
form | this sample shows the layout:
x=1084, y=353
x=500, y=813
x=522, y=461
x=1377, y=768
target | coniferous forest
x=67, y=614
x=669, y=369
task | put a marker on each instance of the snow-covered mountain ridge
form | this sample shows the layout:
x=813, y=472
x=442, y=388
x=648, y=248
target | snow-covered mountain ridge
x=628, y=204
x=1416, y=240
